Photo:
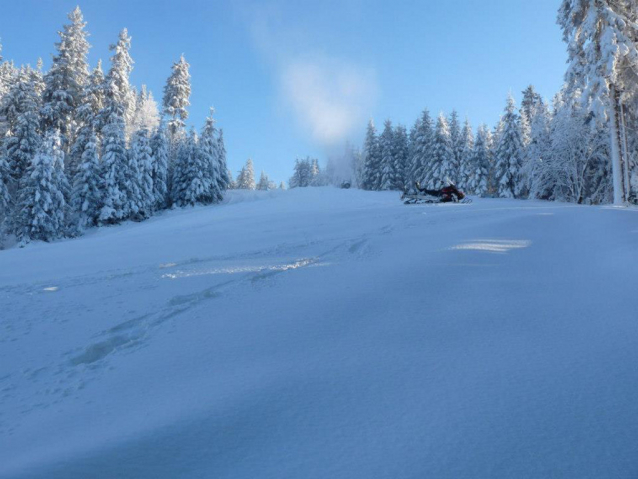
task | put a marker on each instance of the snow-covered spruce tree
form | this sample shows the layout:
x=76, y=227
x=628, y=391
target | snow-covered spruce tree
x=372, y=159
x=317, y=177
x=466, y=165
x=112, y=119
x=421, y=149
x=509, y=155
x=24, y=137
x=603, y=62
x=189, y=187
x=210, y=160
x=6, y=203
x=41, y=207
x=142, y=195
x=302, y=176
x=246, y=177
x=159, y=154
x=225, y=179
x=401, y=152
x=175, y=102
x=538, y=155
x=264, y=182
x=531, y=100
x=87, y=116
x=282, y=186
x=386, y=147
x=477, y=182
x=66, y=79
x=443, y=163
x=146, y=115
x=86, y=196
x=457, y=146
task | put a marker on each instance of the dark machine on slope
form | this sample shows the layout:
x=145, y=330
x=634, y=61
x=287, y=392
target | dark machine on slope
x=447, y=194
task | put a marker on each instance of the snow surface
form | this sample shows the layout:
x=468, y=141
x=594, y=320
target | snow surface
x=326, y=333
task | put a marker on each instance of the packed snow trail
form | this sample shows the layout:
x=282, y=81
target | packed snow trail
x=326, y=333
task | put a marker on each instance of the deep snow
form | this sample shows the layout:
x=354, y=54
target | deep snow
x=326, y=333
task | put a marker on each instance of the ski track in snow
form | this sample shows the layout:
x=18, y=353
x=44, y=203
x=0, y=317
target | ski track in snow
x=72, y=325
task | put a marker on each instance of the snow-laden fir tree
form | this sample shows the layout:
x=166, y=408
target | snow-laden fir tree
x=421, y=150
x=246, y=178
x=509, y=155
x=386, y=147
x=303, y=175
x=602, y=51
x=176, y=101
x=112, y=119
x=443, y=165
x=159, y=154
x=87, y=116
x=225, y=179
x=466, y=164
x=208, y=148
x=22, y=104
x=146, y=116
x=401, y=155
x=477, y=182
x=86, y=196
x=537, y=170
x=41, y=207
x=264, y=183
x=141, y=160
x=371, y=159
x=282, y=186
x=5, y=196
x=66, y=79
x=457, y=146
x=189, y=183
x=530, y=102
x=317, y=178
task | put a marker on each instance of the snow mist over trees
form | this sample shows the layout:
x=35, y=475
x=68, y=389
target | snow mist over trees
x=80, y=148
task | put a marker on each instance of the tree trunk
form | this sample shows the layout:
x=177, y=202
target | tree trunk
x=616, y=162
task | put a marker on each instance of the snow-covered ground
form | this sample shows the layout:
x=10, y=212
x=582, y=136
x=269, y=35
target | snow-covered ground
x=326, y=333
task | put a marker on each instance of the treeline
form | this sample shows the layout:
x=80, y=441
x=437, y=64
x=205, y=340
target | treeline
x=536, y=151
x=80, y=148
x=246, y=180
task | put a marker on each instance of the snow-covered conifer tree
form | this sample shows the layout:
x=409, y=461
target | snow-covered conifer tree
x=41, y=207
x=142, y=195
x=603, y=62
x=421, y=150
x=225, y=178
x=477, y=182
x=372, y=159
x=264, y=182
x=401, y=152
x=66, y=79
x=386, y=147
x=146, y=116
x=208, y=147
x=24, y=139
x=176, y=100
x=538, y=154
x=466, y=165
x=189, y=185
x=159, y=153
x=87, y=117
x=457, y=146
x=246, y=177
x=86, y=196
x=282, y=186
x=509, y=155
x=443, y=163
x=5, y=196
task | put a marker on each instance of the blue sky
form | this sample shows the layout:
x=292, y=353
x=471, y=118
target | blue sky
x=294, y=78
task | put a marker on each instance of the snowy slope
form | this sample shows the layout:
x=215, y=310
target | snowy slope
x=325, y=333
